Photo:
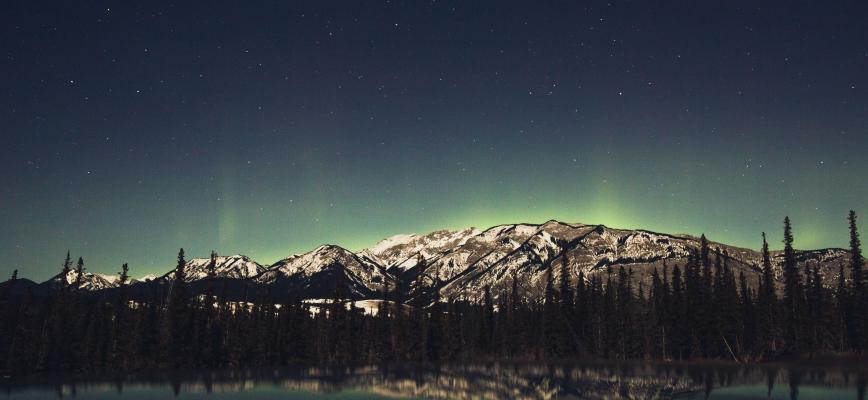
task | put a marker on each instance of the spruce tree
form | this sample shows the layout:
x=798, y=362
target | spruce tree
x=857, y=320
x=624, y=317
x=658, y=303
x=856, y=261
x=565, y=297
x=434, y=338
x=748, y=316
x=513, y=327
x=79, y=274
x=175, y=317
x=730, y=312
x=766, y=303
x=566, y=289
x=842, y=304
x=67, y=266
x=580, y=311
x=792, y=290
x=486, y=323
x=550, y=324
x=211, y=269
x=119, y=323
x=707, y=321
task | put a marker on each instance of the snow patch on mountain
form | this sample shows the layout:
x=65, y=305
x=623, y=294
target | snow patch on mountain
x=361, y=274
x=89, y=281
x=401, y=251
x=234, y=267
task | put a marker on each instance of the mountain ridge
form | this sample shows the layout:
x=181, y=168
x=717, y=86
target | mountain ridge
x=466, y=262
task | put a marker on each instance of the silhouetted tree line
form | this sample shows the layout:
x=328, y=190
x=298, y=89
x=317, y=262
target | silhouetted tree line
x=697, y=310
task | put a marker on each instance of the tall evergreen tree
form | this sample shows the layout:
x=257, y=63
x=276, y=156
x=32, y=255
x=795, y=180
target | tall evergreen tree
x=513, y=326
x=624, y=313
x=175, y=317
x=659, y=307
x=434, y=338
x=856, y=261
x=79, y=274
x=842, y=304
x=565, y=297
x=730, y=308
x=67, y=266
x=792, y=290
x=120, y=322
x=581, y=310
x=748, y=316
x=704, y=300
x=857, y=307
x=766, y=304
x=550, y=323
x=566, y=289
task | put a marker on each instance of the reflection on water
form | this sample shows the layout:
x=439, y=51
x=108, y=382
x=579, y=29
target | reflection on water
x=488, y=381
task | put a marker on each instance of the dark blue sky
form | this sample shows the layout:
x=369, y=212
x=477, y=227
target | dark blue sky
x=267, y=128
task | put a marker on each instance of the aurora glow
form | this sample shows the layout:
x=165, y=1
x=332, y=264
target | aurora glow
x=132, y=130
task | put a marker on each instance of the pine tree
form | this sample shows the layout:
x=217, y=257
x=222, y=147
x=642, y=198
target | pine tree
x=624, y=310
x=566, y=289
x=435, y=329
x=513, y=327
x=695, y=310
x=51, y=354
x=857, y=320
x=120, y=321
x=748, y=316
x=707, y=322
x=705, y=262
x=820, y=321
x=565, y=297
x=667, y=314
x=856, y=261
x=658, y=303
x=729, y=308
x=596, y=304
x=67, y=266
x=10, y=286
x=792, y=290
x=842, y=304
x=581, y=310
x=550, y=324
x=486, y=323
x=212, y=265
x=175, y=318
x=767, y=303
x=79, y=274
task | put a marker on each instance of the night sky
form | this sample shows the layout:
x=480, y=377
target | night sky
x=268, y=128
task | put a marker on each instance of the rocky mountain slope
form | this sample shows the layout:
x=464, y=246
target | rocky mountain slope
x=315, y=274
x=464, y=263
x=232, y=267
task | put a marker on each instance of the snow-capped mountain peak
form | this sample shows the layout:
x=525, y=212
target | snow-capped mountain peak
x=89, y=281
x=234, y=267
x=465, y=262
x=401, y=251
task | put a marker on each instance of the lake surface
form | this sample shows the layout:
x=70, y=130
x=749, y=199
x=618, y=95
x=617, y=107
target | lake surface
x=488, y=381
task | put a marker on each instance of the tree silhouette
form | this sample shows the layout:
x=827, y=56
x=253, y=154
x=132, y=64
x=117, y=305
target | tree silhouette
x=856, y=318
x=792, y=290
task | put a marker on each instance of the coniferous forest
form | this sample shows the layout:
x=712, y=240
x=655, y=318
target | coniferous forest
x=695, y=310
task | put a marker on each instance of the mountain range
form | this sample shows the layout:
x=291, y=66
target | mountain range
x=460, y=263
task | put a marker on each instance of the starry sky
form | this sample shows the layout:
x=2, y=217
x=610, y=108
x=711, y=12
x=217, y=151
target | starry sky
x=130, y=129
